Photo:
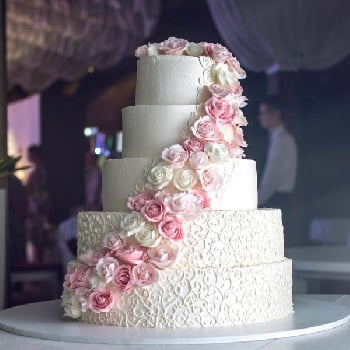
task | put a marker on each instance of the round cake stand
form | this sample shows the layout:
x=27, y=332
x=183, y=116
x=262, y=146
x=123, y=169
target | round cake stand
x=44, y=321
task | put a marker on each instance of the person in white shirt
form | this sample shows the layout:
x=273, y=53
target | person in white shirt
x=280, y=170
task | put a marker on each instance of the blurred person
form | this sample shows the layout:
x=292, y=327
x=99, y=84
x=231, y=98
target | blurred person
x=38, y=199
x=17, y=216
x=67, y=230
x=280, y=170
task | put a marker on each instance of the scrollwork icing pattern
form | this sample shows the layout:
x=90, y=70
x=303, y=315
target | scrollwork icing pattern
x=216, y=239
x=205, y=297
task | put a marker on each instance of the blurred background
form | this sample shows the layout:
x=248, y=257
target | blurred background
x=71, y=69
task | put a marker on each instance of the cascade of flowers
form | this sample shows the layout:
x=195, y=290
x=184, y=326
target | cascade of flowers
x=176, y=190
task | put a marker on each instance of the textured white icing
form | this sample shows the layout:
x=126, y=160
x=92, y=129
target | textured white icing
x=171, y=80
x=147, y=130
x=205, y=297
x=215, y=239
x=123, y=176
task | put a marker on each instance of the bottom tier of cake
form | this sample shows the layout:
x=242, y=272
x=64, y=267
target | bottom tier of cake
x=205, y=298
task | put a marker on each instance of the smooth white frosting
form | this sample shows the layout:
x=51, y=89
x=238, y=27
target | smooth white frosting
x=147, y=130
x=205, y=298
x=215, y=239
x=121, y=177
x=170, y=80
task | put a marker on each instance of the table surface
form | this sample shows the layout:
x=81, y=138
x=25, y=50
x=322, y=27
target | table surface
x=338, y=338
x=329, y=259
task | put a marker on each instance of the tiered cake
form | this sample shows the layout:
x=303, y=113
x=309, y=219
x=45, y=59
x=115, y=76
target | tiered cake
x=180, y=242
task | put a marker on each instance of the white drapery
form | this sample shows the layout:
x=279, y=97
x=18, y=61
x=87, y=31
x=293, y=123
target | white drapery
x=272, y=35
x=49, y=40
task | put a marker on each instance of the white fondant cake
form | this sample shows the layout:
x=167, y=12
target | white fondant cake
x=121, y=177
x=180, y=242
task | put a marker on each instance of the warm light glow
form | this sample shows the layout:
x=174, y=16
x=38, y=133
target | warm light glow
x=91, y=69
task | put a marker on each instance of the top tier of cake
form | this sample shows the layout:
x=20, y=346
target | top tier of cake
x=170, y=80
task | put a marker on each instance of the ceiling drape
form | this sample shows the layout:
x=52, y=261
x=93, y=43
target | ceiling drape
x=272, y=35
x=49, y=40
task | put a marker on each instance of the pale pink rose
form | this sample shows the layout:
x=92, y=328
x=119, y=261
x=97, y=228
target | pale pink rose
x=137, y=202
x=144, y=275
x=171, y=228
x=182, y=205
x=106, y=267
x=211, y=178
x=141, y=51
x=101, y=300
x=236, y=68
x=134, y=254
x=202, y=197
x=219, y=53
x=238, y=100
x=176, y=155
x=237, y=88
x=207, y=48
x=77, y=277
x=163, y=256
x=173, y=46
x=153, y=210
x=113, y=241
x=91, y=257
x=238, y=137
x=220, y=91
x=194, y=145
x=198, y=160
x=123, y=278
x=205, y=129
x=220, y=110
x=160, y=195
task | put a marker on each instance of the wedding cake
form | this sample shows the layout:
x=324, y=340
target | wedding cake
x=180, y=242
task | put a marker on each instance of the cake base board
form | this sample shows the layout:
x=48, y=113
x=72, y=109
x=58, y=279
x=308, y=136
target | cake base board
x=44, y=321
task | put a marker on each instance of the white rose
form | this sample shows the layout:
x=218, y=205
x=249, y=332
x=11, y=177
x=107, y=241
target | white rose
x=159, y=176
x=148, y=236
x=106, y=267
x=131, y=224
x=152, y=50
x=193, y=49
x=94, y=281
x=184, y=179
x=222, y=75
x=217, y=152
x=71, y=304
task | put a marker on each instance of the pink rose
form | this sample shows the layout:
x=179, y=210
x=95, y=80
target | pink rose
x=237, y=88
x=235, y=67
x=141, y=51
x=176, y=155
x=173, y=46
x=205, y=129
x=123, y=279
x=101, y=300
x=202, y=197
x=219, y=53
x=77, y=277
x=238, y=137
x=137, y=202
x=113, y=241
x=198, y=160
x=163, y=256
x=153, y=211
x=133, y=255
x=194, y=145
x=171, y=228
x=220, y=110
x=211, y=178
x=182, y=205
x=219, y=91
x=91, y=257
x=106, y=267
x=144, y=275
x=83, y=295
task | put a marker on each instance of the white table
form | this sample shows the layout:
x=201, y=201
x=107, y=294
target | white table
x=338, y=338
x=316, y=263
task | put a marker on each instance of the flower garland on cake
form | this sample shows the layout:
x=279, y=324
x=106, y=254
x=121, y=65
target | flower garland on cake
x=176, y=190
